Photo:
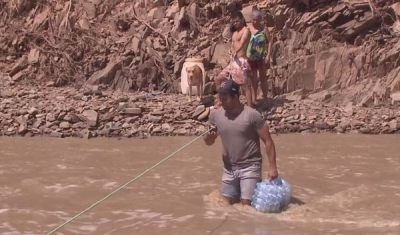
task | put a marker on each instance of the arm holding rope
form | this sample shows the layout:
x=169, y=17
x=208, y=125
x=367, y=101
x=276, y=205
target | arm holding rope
x=244, y=41
x=212, y=135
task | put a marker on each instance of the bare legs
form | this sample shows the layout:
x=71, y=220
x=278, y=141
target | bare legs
x=232, y=201
x=262, y=72
x=247, y=90
x=264, y=82
x=254, y=85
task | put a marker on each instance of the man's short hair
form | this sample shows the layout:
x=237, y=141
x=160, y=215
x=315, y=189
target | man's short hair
x=237, y=14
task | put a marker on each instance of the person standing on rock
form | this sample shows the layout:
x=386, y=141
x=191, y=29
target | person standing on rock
x=240, y=128
x=238, y=66
x=259, y=54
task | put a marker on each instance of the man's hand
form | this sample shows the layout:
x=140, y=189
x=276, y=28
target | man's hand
x=235, y=54
x=272, y=173
x=232, y=54
x=211, y=136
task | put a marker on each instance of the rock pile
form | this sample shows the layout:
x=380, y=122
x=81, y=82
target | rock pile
x=63, y=112
x=324, y=44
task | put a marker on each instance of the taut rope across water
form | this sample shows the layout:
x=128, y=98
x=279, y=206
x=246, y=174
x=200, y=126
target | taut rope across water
x=127, y=183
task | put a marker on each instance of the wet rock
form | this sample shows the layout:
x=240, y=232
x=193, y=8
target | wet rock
x=86, y=134
x=57, y=134
x=394, y=124
x=365, y=130
x=65, y=125
x=321, y=125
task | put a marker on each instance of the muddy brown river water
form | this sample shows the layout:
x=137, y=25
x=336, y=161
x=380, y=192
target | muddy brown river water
x=342, y=184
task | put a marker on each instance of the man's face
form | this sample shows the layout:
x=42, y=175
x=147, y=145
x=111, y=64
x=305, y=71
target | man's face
x=237, y=23
x=227, y=101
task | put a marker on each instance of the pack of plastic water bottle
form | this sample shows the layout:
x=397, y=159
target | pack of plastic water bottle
x=271, y=196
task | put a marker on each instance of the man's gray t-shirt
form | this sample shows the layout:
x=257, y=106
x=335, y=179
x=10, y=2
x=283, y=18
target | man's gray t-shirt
x=240, y=140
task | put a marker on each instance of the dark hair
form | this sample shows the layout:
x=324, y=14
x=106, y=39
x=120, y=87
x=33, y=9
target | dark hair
x=232, y=28
x=237, y=14
x=234, y=15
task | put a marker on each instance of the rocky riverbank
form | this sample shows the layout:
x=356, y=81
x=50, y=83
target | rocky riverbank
x=68, y=112
x=335, y=65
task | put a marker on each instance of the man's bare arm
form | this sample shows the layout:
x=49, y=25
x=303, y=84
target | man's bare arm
x=231, y=49
x=265, y=136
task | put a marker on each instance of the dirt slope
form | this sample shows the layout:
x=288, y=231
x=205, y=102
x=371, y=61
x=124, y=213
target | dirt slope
x=349, y=49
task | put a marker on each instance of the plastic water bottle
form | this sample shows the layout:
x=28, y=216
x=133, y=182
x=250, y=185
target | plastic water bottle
x=271, y=196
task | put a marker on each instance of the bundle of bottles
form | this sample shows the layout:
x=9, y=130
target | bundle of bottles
x=271, y=196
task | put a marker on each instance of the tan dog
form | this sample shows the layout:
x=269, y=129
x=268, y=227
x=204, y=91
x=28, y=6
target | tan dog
x=195, y=78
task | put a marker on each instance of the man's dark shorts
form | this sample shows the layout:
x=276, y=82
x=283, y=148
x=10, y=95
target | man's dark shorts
x=255, y=65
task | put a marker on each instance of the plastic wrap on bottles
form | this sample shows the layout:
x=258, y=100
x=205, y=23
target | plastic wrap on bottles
x=271, y=196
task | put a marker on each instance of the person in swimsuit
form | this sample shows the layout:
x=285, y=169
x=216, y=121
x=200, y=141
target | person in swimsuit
x=238, y=67
x=259, y=54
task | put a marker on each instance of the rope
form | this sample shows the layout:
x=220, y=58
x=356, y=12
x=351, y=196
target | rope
x=126, y=184
x=232, y=59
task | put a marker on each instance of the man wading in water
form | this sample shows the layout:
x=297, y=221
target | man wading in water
x=259, y=54
x=241, y=129
x=238, y=67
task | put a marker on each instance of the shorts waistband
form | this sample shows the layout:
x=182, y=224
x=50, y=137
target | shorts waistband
x=240, y=167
